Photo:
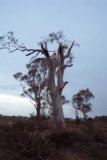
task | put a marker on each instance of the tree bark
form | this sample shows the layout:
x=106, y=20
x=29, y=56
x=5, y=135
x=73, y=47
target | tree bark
x=38, y=110
x=59, y=125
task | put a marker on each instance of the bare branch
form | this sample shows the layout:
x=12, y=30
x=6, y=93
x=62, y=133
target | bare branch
x=32, y=51
x=66, y=65
x=65, y=83
x=69, y=50
x=61, y=89
x=25, y=92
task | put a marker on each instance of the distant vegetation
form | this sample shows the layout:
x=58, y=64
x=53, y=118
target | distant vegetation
x=81, y=103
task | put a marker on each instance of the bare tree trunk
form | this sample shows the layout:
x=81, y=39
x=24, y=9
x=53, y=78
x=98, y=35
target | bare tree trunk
x=38, y=110
x=77, y=117
x=85, y=116
x=59, y=125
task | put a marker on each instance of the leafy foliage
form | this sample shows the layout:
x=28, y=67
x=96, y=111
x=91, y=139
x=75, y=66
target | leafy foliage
x=81, y=103
x=34, y=84
x=64, y=100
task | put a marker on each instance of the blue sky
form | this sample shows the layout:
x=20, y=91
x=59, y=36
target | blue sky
x=80, y=20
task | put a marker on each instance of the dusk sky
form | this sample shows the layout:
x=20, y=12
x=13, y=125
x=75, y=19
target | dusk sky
x=84, y=21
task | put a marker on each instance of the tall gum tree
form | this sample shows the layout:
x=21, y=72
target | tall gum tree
x=57, y=61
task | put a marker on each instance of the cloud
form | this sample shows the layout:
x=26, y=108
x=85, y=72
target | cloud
x=14, y=105
x=5, y=98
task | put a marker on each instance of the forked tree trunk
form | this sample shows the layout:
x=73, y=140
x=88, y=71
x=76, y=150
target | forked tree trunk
x=59, y=125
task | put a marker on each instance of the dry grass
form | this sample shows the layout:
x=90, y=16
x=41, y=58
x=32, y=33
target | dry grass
x=27, y=139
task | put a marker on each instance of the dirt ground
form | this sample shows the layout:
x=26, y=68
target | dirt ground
x=22, y=138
